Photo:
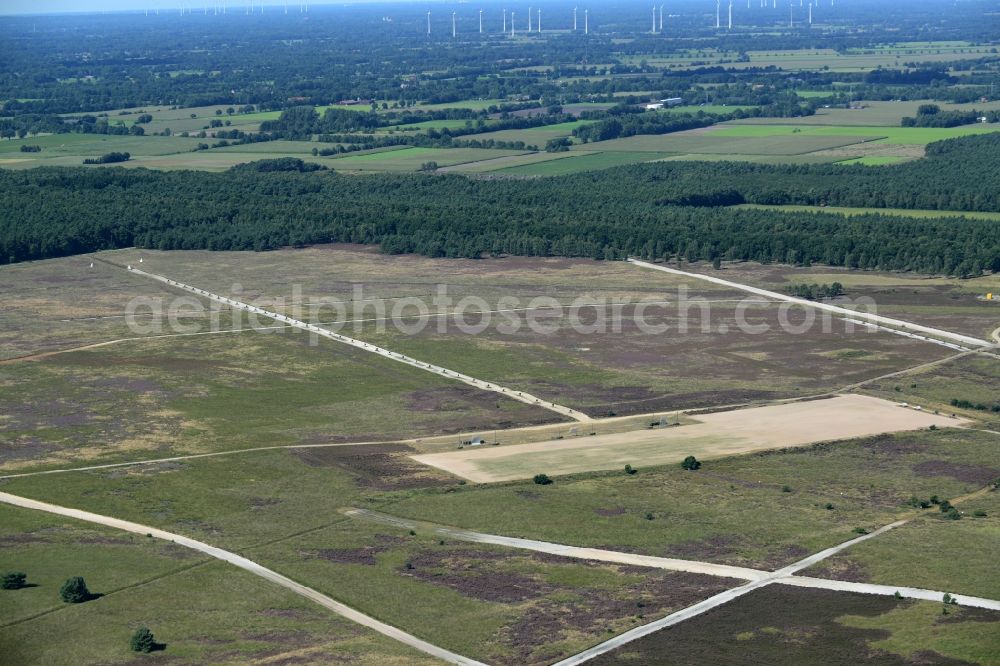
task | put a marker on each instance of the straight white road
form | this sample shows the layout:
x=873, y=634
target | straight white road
x=595, y=554
x=903, y=326
x=252, y=567
x=400, y=358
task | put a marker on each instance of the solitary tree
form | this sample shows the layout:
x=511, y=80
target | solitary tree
x=142, y=640
x=542, y=479
x=690, y=463
x=13, y=580
x=74, y=591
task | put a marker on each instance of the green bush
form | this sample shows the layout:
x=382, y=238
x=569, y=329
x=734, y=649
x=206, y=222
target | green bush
x=542, y=479
x=13, y=580
x=74, y=591
x=142, y=640
x=690, y=464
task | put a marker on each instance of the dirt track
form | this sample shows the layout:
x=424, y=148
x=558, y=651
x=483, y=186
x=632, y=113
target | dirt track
x=252, y=567
x=719, y=434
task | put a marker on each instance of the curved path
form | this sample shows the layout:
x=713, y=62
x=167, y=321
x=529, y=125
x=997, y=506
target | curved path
x=888, y=322
x=400, y=358
x=252, y=567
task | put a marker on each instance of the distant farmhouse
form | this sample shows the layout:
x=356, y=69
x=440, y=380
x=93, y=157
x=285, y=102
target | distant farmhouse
x=670, y=101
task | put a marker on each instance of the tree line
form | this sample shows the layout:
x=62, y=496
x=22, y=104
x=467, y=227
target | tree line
x=667, y=210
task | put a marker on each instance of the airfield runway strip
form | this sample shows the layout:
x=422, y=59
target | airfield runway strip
x=252, y=567
x=400, y=358
x=892, y=325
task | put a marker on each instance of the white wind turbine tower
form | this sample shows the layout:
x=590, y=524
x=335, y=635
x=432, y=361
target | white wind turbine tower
x=529, y=19
x=504, y=22
x=480, y=21
x=512, y=23
x=539, y=26
x=586, y=21
x=574, y=19
x=810, y=13
x=428, y=23
x=661, y=18
x=453, y=30
x=718, y=15
x=654, y=20
x=730, y=14
x=791, y=16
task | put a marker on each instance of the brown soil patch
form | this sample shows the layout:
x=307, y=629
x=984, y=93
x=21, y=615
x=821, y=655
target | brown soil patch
x=469, y=572
x=711, y=549
x=977, y=474
x=376, y=466
x=841, y=567
x=659, y=595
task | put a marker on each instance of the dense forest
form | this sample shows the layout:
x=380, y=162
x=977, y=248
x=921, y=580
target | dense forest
x=659, y=210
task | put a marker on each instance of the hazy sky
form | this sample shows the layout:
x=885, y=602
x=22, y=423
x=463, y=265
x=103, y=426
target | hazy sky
x=45, y=6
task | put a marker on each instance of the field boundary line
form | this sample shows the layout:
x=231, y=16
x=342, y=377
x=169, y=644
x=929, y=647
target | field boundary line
x=250, y=566
x=117, y=590
x=192, y=456
x=520, y=396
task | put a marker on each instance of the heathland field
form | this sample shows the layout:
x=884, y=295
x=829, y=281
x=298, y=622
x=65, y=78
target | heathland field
x=300, y=432
x=556, y=396
x=202, y=611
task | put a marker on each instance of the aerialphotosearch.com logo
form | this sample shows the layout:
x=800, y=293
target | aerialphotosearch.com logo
x=677, y=313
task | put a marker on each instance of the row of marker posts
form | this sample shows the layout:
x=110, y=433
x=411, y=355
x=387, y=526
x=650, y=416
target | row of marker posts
x=351, y=341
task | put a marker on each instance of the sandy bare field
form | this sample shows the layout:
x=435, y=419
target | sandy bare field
x=713, y=436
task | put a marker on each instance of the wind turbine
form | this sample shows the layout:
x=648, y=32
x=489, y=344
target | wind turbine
x=791, y=16
x=539, y=26
x=718, y=15
x=730, y=14
x=428, y=23
x=512, y=23
x=453, y=30
x=661, y=18
x=480, y=21
x=574, y=19
x=810, y=13
x=586, y=21
x=504, y=22
x=529, y=19
x=654, y=20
